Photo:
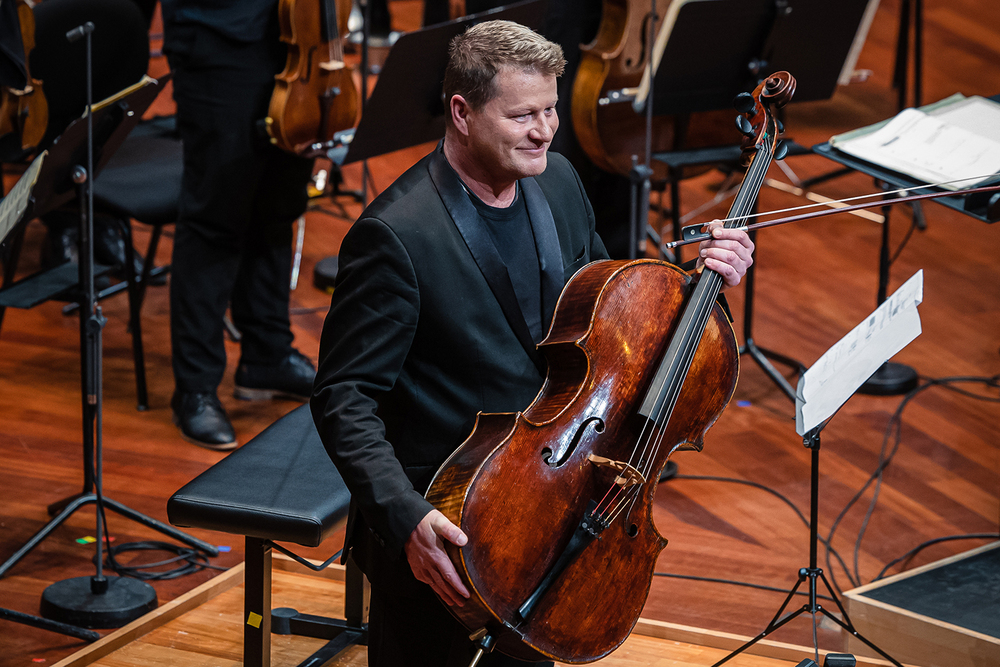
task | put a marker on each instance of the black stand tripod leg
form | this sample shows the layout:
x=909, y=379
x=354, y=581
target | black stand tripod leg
x=87, y=499
x=848, y=625
x=56, y=521
x=46, y=624
x=169, y=531
x=812, y=573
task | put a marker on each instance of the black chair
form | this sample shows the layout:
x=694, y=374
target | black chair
x=142, y=180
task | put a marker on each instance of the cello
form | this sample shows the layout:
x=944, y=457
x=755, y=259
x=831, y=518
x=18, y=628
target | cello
x=557, y=500
x=314, y=96
x=26, y=111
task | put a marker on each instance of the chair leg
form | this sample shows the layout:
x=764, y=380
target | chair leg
x=147, y=264
x=11, y=257
x=135, y=315
x=257, y=604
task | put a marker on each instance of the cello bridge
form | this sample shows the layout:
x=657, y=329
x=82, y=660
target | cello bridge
x=627, y=475
x=332, y=65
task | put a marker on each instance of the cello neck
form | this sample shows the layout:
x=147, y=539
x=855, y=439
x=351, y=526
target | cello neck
x=662, y=395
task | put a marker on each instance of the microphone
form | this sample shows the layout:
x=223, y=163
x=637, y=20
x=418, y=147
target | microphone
x=79, y=31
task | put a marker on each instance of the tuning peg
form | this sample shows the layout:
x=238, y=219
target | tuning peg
x=781, y=126
x=745, y=103
x=781, y=150
x=744, y=126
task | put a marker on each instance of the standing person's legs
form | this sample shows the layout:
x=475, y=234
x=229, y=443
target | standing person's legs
x=269, y=365
x=222, y=88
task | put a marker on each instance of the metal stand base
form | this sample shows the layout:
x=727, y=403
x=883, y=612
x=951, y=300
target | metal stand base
x=117, y=602
x=340, y=633
x=891, y=379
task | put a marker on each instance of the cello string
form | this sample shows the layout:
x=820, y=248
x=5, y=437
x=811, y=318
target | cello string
x=647, y=446
x=755, y=178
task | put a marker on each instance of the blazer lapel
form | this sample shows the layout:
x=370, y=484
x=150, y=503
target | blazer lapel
x=550, y=261
x=478, y=240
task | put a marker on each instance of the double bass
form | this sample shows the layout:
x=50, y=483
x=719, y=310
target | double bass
x=25, y=111
x=314, y=96
x=557, y=500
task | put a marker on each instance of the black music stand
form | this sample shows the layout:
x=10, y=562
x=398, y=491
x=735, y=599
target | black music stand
x=717, y=49
x=410, y=84
x=63, y=176
x=821, y=393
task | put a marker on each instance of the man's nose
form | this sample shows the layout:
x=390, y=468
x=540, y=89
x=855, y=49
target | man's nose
x=545, y=128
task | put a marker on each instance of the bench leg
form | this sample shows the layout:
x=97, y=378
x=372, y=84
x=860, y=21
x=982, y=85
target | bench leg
x=257, y=604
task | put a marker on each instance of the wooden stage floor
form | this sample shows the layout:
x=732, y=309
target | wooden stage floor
x=207, y=630
x=815, y=282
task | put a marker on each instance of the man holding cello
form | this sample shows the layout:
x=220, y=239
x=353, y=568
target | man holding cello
x=447, y=283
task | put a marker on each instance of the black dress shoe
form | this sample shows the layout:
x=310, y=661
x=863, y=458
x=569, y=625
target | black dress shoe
x=202, y=420
x=292, y=378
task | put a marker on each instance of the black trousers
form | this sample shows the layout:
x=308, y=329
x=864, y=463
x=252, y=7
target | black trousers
x=239, y=197
x=407, y=623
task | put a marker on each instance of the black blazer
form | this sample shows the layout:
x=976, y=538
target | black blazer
x=424, y=332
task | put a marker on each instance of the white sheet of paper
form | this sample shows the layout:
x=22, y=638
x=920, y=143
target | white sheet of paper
x=13, y=206
x=852, y=360
x=974, y=114
x=927, y=148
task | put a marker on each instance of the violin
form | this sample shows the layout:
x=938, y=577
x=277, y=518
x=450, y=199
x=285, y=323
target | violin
x=611, y=132
x=25, y=111
x=314, y=96
x=557, y=500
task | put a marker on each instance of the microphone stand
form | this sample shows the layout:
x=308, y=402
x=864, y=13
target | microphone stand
x=98, y=601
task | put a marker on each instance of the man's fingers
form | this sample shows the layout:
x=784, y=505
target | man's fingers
x=449, y=531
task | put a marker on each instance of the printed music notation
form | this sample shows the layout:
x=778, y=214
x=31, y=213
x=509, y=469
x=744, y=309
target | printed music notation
x=852, y=360
x=957, y=138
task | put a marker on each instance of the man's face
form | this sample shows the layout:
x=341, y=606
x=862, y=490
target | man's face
x=510, y=134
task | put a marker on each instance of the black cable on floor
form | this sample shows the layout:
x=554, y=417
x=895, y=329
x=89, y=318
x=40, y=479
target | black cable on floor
x=894, y=426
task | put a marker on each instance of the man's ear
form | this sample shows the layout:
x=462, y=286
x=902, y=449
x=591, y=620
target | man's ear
x=459, y=110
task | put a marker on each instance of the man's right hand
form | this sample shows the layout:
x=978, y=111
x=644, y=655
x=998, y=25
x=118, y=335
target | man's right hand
x=430, y=562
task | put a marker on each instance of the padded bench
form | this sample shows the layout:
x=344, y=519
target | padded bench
x=279, y=487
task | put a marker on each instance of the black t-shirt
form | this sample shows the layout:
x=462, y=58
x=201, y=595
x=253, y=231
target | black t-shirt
x=510, y=229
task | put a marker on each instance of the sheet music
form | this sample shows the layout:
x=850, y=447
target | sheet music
x=13, y=206
x=933, y=148
x=837, y=374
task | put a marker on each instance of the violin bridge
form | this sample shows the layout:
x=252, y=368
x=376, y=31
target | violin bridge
x=332, y=65
x=627, y=475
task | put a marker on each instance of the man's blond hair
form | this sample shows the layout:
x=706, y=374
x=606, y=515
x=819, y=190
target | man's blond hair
x=476, y=57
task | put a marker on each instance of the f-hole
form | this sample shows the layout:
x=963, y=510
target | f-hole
x=309, y=62
x=547, y=453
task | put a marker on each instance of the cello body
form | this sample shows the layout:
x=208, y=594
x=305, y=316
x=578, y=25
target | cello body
x=499, y=485
x=314, y=96
x=612, y=133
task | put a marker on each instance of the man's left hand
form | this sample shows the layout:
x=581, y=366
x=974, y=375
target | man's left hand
x=729, y=253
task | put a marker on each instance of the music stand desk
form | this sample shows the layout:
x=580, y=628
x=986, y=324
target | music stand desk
x=893, y=178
